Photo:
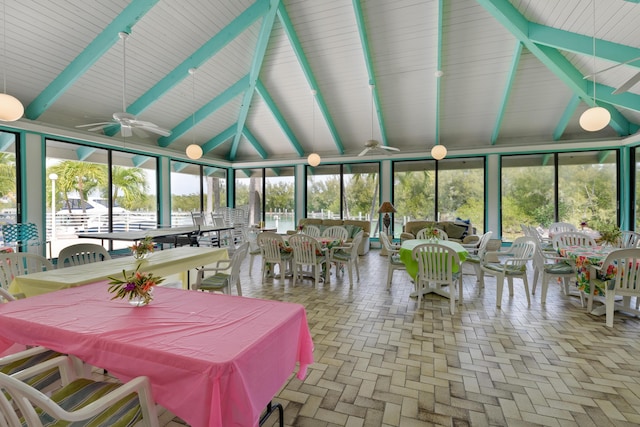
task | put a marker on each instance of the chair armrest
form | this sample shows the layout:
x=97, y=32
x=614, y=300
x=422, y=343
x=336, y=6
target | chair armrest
x=220, y=266
x=22, y=354
x=63, y=363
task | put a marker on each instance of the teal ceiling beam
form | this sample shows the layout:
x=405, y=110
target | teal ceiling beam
x=306, y=69
x=626, y=100
x=94, y=51
x=206, y=110
x=507, y=92
x=566, y=117
x=6, y=139
x=518, y=25
x=633, y=1
x=256, y=66
x=438, y=96
x=139, y=160
x=254, y=142
x=210, y=170
x=364, y=40
x=276, y=171
x=178, y=166
x=219, y=139
x=581, y=44
x=200, y=56
x=266, y=97
x=602, y=156
x=83, y=153
x=546, y=158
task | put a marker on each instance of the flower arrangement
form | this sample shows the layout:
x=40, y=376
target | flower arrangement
x=142, y=248
x=137, y=287
x=300, y=228
x=432, y=233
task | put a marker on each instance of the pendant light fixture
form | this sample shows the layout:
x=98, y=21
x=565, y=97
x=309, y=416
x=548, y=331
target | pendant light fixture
x=594, y=118
x=314, y=158
x=438, y=151
x=11, y=109
x=194, y=151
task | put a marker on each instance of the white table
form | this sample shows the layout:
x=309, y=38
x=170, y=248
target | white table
x=171, y=234
x=161, y=263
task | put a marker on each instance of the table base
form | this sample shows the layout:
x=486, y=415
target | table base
x=271, y=408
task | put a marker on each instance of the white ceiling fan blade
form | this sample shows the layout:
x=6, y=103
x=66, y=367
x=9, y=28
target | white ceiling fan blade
x=94, y=124
x=363, y=152
x=155, y=129
x=628, y=84
x=611, y=68
x=97, y=128
x=384, y=147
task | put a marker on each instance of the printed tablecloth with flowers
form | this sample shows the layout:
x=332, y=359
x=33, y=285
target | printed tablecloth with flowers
x=584, y=257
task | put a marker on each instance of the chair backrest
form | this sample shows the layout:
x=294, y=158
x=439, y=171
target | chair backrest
x=82, y=253
x=18, y=264
x=198, y=218
x=439, y=234
x=337, y=232
x=521, y=251
x=236, y=262
x=305, y=249
x=386, y=242
x=572, y=238
x=217, y=220
x=355, y=244
x=19, y=234
x=626, y=280
x=311, y=230
x=484, y=241
x=435, y=262
x=628, y=239
x=270, y=244
x=561, y=227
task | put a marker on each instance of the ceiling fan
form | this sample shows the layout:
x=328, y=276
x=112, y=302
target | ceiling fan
x=128, y=122
x=626, y=85
x=372, y=144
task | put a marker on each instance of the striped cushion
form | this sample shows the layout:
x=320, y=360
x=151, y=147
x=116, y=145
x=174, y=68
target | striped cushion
x=82, y=392
x=41, y=380
x=340, y=255
x=560, y=268
x=496, y=266
x=473, y=259
x=216, y=282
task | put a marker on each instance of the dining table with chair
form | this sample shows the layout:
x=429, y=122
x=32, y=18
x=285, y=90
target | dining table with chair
x=211, y=359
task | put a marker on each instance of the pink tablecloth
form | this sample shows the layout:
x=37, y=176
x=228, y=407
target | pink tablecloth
x=213, y=360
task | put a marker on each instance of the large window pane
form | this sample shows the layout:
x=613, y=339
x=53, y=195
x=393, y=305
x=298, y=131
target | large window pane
x=81, y=191
x=361, y=193
x=527, y=193
x=587, y=187
x=413, y=192
x=323, y=192
x=185, y=192
x=461, y=191
x=134, y=192
x=215, y=188
x=8, y=185
x=279, y=199
x=248, y=183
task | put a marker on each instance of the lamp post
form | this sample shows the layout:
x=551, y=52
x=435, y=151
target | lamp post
x=53, y=177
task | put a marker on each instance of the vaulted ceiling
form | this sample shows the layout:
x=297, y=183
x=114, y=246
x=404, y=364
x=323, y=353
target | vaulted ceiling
x=512, y=72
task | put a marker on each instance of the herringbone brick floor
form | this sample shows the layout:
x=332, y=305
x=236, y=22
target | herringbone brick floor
x=382, y=361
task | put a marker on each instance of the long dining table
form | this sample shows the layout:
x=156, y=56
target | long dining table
x=161, y=263
x=163, y=235
x=212, y=359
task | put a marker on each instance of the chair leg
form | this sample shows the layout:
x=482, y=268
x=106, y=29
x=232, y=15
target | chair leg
x=350, y=274
x=526, y=288
x=545, y=288
x=535, y=281
x=452, y=298
x=389, y=275
x=610, y=301
x=510, y=282
x=460, y=290
x=499, y=289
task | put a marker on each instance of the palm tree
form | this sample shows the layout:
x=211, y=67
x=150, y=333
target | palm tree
x=80, y=177
x=132, y=183
x=8, y=175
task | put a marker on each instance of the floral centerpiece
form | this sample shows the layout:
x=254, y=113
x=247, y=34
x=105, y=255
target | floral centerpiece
x=141, y=249
x=137, y=287
x=432, y=233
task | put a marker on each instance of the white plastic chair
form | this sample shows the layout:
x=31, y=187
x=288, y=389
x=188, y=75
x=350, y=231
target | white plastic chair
x=519, y=254
x=251, y=237
x=440, y=234
x=476, y=255
x=18, y=264
x=82, y=253
x=551, y=265
x=561, y=227
x=271, y=245
x=226, y=273
x=311, y=230
x=79, y=400
x=572, y=238
x=307, y=252
x=435, y=267
x=628, y=240
x=336, y=232
x=347, y=254
x=625, y=282
x=393, y=257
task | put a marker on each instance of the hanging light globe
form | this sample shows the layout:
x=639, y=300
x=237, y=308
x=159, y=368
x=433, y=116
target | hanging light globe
x=313, y=159
x=194, y=151
x=11, y=109
x=439, y=152
x=594, y=119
